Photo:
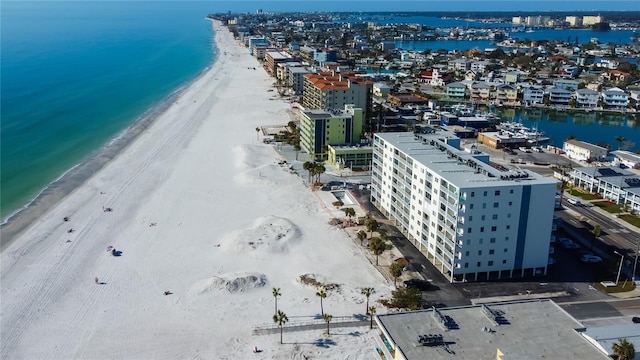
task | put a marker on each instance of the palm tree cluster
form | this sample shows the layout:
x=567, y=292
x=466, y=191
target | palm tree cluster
x=315, y=170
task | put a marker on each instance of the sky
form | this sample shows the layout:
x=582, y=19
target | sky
x=431, y=5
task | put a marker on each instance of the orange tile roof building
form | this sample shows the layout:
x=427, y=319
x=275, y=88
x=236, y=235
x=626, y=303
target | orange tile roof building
x=331, y=90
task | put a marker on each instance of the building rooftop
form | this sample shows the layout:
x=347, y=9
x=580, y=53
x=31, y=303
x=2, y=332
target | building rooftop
x=460, y=167
x=527, y=330
x=585, y=145
x=605, y=336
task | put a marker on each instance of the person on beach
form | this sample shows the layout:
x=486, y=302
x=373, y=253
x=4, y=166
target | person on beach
x=97, y=281
x=66, y=218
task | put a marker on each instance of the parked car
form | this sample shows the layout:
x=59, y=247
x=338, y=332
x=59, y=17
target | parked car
x=590, y=258
x=418, y=284
x=568, y=243
x=537, y=149
x=574, y=202
x=524, y=149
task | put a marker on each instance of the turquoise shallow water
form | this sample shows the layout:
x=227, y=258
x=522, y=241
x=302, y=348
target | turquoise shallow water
x=75, y=74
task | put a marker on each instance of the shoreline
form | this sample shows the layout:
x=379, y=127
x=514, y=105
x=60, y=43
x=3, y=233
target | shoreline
x=19, y=220
x=206, y=223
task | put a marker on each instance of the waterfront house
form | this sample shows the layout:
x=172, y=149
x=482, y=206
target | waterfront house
x=506, y=94
x=456, y=90
x=587, y=98
x=480, y=91
x=615, y=98
x=584, y=151
x=559, y=97
x=532, y=94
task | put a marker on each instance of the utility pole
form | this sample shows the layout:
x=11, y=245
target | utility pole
x=635, y=263
x=620, y=267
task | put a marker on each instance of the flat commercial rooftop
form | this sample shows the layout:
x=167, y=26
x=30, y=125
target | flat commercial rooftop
x=531, y=330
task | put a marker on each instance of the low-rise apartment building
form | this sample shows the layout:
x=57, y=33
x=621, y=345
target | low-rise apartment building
x=618, y=185
x=584, y=151
x=472, y=221
x=456, y=90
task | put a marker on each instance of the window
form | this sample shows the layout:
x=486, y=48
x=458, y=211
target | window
x=506, y=238
x=482, y=217
x=468, y=241
x=485, y=193
x=469, y=230
x=470, y=218
x=494, y=217
x=508, y=227
x=490, y=263
x=506, y=250
x=473, y=193
x=491, y=252
x=492, y=240
x=470, y=206
x=511, y=191
x=479, y=252
x=479, y=264
x=493, y=228
x=497, y=193
x=495, y=204
x=466, y=265
x=484, y=205
x=510, y=203
x=504, y=261
x=482, y=229
x=466, y=253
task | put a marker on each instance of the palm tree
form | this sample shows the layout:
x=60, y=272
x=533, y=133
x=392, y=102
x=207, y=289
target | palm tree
x=308, y=165
x=361, y=236
x=596, y=231
x=396, y=270
x=257, y=133
x=372, y=225
x=321, y=294
x=378, y=246
x=280, y=318
x=367, y=291
x=349, y=212
x=623, y=349
x=318, y=170
x=327, y=318
x=620, y=139
x=372, y=311
x=276, y=293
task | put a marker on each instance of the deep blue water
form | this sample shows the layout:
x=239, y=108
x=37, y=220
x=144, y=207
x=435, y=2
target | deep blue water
x=75, y=74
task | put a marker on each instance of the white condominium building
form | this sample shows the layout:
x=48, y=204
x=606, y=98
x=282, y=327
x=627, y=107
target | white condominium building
x=473, y=221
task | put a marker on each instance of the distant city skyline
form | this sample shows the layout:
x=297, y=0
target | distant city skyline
x=426, y=5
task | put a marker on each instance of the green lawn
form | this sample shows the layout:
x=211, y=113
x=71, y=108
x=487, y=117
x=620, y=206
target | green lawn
x=607, y=206
x=584, y=195
x=631, y=219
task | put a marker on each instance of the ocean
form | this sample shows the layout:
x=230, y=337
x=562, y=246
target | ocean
x=76, y=74
x=81, y=79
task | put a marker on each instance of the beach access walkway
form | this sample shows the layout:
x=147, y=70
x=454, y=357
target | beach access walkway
x=312, y=324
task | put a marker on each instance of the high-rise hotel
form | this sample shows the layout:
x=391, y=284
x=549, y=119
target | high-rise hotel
x=472, y=220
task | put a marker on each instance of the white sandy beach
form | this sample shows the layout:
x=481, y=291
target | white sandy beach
x=201, y=209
